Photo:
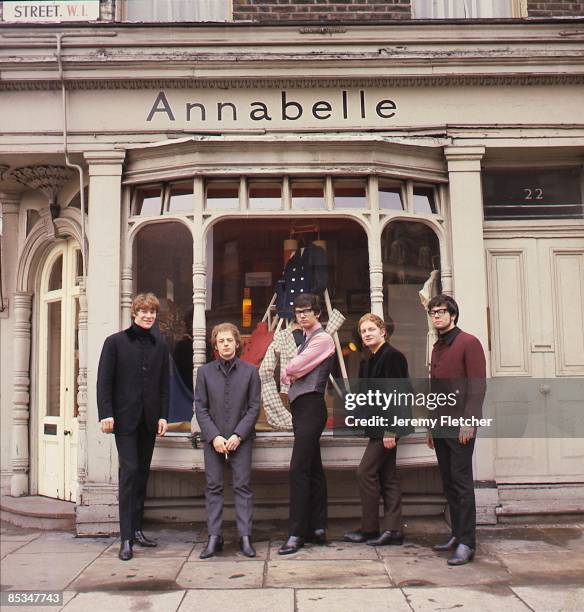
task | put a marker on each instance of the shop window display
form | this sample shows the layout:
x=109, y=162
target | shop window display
x=411, y=264
x=252, y=257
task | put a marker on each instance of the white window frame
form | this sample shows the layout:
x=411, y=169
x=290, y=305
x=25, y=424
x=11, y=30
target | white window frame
x=518, y=9
x=122, y=11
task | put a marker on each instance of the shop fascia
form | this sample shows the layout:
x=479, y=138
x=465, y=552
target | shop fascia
x=343, y=104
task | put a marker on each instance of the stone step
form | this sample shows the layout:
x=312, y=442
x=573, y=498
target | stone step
x=37, y=512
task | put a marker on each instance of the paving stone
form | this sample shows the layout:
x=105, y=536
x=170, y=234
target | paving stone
x=432, y=570
x=258, y=600
x=147, y=573
x=517, y=546
x=55, y=542
x=8, y=547
x=552, y=598
x=129, y=600
x=332, y=550
x=40, y=572
x=326, y=574
x=408, y=549
x=564, y=566
x=231, y=552
x=15, y=536
x=222, y=575
x=351, y=600
x=485, y=599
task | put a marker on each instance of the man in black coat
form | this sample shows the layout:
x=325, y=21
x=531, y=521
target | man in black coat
x=227, y=405
x=377, y=473
x=132, y=401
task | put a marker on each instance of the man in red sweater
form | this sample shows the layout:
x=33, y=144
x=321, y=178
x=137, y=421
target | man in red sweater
x=458, y=365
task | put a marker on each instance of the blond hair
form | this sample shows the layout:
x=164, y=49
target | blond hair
x=226, y=327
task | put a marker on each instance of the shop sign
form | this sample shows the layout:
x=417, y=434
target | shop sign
x=51, y=11
x=281, y=107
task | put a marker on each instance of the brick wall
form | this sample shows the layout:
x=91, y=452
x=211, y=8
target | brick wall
x=320, y=10
x=555, y=8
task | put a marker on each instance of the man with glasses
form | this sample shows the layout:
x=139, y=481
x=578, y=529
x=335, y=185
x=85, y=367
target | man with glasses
x=132, y=401
x=458, y=365
x=307, y=375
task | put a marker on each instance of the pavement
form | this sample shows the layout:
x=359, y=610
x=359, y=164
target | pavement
x=517, y=568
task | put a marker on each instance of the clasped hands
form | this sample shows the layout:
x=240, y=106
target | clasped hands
x=107, y=426
x=223, y=445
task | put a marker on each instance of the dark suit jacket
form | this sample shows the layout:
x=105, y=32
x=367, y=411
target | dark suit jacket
x=388, y=363
x=227, y=404
x=125, y=390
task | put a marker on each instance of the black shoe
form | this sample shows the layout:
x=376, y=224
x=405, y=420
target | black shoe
x=318, y=536
x=463, y=554
x=141, y=539
x=388, y=538
x=125, y=553
x=450, y=545
x=293, y=545
x=214, y=545
x=359, y=536
x=246, y=546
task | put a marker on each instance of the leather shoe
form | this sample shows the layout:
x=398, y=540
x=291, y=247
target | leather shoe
x=247, y=547
x=293, y=545
x=141, y=539
x=125, y=553
x=318, y=536
x=450, y=545
x=463, y=554
x=359, y=536
x=214, y=545
x=388, y=538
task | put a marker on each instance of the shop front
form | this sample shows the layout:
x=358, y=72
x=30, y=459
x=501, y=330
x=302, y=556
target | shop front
x=207, y=191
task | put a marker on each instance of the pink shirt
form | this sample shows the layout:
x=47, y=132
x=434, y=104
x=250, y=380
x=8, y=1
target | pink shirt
x=320, y=348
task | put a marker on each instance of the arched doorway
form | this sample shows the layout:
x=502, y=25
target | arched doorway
x=58, y=342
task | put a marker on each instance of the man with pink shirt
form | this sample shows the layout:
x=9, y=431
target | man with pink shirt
x=307, y=375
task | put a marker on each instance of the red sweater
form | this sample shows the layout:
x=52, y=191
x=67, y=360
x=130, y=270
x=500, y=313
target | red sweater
x=459, y=358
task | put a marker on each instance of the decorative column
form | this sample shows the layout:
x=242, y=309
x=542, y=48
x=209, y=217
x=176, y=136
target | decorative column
x=466, y=230
x=82, y=392
x=199, y=283
x=374, y=245
x=97, y=509
x=19, y=484
x=15, y=371
x=470, y=289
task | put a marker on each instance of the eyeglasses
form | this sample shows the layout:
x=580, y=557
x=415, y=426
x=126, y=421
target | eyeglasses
x=303, y=311
x=438, y=312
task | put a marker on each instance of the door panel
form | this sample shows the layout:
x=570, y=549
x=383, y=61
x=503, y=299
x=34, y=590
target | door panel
x=536, y=301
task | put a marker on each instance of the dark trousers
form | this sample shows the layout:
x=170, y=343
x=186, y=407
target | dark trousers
x=134, y=455
x=240, y=464
x=455, y=463
x=308, y=495
x=377, y=477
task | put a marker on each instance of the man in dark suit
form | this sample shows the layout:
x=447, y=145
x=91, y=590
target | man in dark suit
x=132, y=401
x=377, y=473
x=227, y=405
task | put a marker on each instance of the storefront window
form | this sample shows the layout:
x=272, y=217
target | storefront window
x=350, y=193
x=163, y=264
x=424, y=200
x=265, y=195
x=252, y=265
x=181, y=197
x=222, y=195
x=148, y=201
x=390, y=196
x=307, y=194
x=411, y=263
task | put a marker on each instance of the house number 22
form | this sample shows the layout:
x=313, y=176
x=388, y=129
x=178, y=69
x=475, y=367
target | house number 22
x=533, y=194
